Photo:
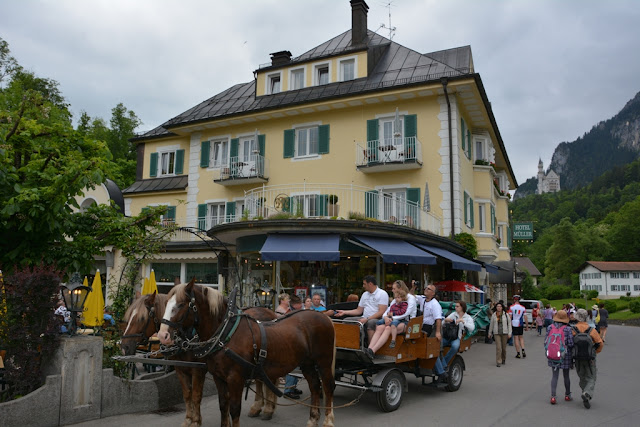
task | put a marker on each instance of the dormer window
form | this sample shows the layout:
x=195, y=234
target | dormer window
x=274, y=83
x=347, y=69
x=322, y=72
x=296, y=79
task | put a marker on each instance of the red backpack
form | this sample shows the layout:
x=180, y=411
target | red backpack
x=554, y=344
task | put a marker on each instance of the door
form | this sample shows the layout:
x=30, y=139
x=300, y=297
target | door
x=392, y=140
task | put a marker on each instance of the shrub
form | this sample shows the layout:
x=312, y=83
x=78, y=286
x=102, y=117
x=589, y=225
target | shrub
x=333, y=199
x=592, y=294
x=576, y=294
x=634, y=306
x=580, y=305
x=627, y=298
x=31, y=327
x=610, y=306
x=558, y=292
x=544, y=302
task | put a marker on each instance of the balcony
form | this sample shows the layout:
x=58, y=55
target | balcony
x=243, y=171
x=347, y=201
x=389, y=155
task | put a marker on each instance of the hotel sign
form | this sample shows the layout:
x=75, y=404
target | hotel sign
x=522, y=231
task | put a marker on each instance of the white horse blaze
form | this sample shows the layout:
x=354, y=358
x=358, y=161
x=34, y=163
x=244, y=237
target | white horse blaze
x=167, y=314
x=133, y=316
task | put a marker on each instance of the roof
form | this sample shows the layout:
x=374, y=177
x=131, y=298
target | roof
x=395, y=66
x=526, y=264
x=505, y=274
x=158, y=184
x=612, y=266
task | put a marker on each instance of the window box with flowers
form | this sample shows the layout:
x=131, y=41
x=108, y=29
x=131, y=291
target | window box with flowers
x=498, y=240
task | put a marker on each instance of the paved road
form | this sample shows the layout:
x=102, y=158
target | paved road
x=515, y=394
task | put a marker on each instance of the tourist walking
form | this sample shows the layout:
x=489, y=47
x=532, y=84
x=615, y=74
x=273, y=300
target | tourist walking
x=519, y=324
x=558, y=345
x=500, y=329
x=603, y=324
x=586, y=344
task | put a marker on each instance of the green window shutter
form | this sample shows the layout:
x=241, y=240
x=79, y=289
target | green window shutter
x=179, y=162
x=153, y=165
x=509, y=237
x=231, y=212
x=289, y=143
x=372, y=130
x=205, y=146
x=472, y=212
x=202, y=216
x=171, y=213
x=322, y=201
x=493, y=220
x=464, y=134
x=466, y=203
x=323, y=139
x=233, y=156
x=469, y=145
x=261, y=144
x=413, y=196
x=410, y=135
x=371, y=204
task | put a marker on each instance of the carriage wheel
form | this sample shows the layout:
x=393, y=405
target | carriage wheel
x=456, y=372
x=390, y=397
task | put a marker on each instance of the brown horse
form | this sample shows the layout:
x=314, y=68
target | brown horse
x=143, y=319
x=303, y=338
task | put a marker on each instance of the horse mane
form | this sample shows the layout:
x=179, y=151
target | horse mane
x=214, y=298
x=142, y=314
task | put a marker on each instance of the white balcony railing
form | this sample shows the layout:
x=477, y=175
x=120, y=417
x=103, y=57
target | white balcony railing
x=253, y=166
x=389, y=151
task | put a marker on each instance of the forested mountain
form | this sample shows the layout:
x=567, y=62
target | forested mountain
x=598, y=222
x=608, y=144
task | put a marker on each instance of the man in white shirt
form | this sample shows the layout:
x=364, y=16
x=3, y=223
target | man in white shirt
x=518, y=322
x=432, y=316
x=373, y=303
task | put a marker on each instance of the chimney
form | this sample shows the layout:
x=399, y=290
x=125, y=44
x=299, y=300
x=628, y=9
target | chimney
x=280, y=58
x=358, y=21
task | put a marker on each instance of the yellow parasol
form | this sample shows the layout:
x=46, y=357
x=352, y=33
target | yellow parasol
x=94, y=306
x=153, y=287
x=145, y=286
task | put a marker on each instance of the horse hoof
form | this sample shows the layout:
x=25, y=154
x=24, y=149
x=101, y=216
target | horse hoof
x=254, y=414
x=266, y=416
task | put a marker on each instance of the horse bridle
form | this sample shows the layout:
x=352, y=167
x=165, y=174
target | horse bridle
x=141, y=334
x=180, y=335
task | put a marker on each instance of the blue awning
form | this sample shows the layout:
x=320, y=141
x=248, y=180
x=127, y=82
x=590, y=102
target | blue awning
x=301, y=247
x=458, y=262
x=395, y=250
x=492, y=269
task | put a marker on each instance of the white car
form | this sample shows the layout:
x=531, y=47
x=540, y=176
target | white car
x=529, y=305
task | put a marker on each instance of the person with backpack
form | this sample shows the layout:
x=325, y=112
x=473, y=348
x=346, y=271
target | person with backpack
x=558, y=346
x=586, y=344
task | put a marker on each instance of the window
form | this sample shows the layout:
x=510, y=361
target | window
x=619, y=275
x=274, y=84
x=636, y=275
x=480, y=150
x=321, y=74
x=296, y=79
x=392, y=131
x=394, y=205
x=481, y=216
x=347, y=70
x=166, y=272
x=307, y=141
x=220, y=153
x=591, y=275
x=167, y=163
x=204, y=273
x=306, y=205
x=500, y=235
x=620, y=288
x=636, y=287
x=216, y=214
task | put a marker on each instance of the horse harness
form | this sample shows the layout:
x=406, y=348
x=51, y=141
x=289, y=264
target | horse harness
x=222, y=336
x=145, y=339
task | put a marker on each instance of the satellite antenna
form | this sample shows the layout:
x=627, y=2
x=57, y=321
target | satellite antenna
x=392, y=30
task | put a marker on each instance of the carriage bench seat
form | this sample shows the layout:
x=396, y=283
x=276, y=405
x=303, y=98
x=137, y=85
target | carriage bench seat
x=349, y=334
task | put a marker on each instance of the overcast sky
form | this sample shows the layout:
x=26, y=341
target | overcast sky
x=551, y=68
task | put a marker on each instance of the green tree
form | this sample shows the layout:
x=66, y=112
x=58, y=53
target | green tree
x=564, y=255
x=44, y=164
x=624, y=231
x=529, y=291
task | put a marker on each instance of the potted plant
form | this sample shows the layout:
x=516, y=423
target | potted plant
x=334, y=209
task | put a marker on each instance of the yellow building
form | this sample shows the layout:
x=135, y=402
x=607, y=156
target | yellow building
x=356, y=127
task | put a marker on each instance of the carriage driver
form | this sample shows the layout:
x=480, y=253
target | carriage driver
x=372, y=305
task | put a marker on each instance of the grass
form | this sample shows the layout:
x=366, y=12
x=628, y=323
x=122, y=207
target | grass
x=622, y=313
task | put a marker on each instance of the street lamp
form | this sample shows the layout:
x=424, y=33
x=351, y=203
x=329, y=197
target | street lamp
x=264, y=295
x=74, y=294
